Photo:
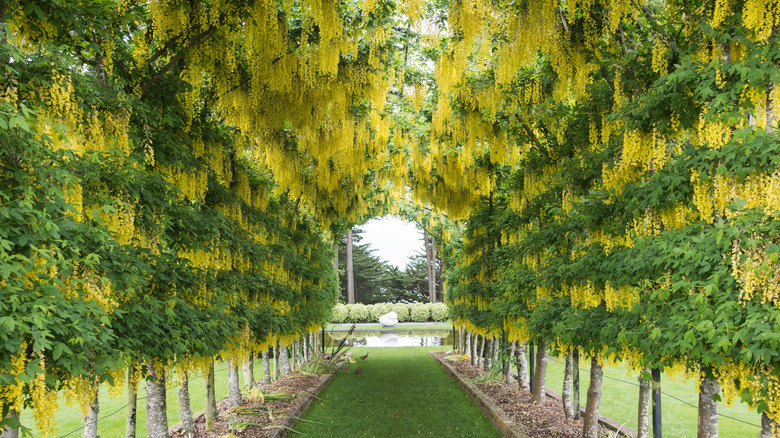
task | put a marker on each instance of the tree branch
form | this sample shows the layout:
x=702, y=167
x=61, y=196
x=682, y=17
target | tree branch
x=193, y=42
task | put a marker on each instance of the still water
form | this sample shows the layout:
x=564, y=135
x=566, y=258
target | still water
x=400, y=338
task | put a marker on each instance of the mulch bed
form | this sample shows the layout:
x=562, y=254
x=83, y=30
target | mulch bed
x=537, y=421
x=297, y=383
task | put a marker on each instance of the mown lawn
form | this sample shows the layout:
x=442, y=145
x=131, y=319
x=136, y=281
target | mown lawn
x=400, y=392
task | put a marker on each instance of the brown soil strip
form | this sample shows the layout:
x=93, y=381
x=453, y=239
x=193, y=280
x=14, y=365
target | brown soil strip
x=510, y=409
x=274, y=418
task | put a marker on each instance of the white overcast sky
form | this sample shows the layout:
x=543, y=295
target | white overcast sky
x=393, y=239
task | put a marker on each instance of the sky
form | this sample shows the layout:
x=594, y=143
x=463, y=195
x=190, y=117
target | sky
x=393, y=239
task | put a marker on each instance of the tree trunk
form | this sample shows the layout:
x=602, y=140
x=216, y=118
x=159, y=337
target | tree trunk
x=531, y=362
x=481, y=356
x=590, y=428
x=568, y=379
x=769, y=428
x=474, y=349
x=656, y=393
x=7, y=432
x=132, y=403
x=284, y=359
x=350, y=271
x=156, y=409
x=522, y=367
x=487, y=362
x=467, y=342
x=506, y=362
x=249, y=370
x=211, y=398
x=91, y=420
x=185, y=409
x=429, y=265
x=336, y=267
x=440, y=290
x=540, y=375
x=708, y=407
x=643, y=414
x=293, y=353
x=266, y=367
x=433, y=269
x=575, y=380
x=234, y=388
x=277, y=371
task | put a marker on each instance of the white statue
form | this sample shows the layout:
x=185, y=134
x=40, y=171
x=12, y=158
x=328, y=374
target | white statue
x=389, y=320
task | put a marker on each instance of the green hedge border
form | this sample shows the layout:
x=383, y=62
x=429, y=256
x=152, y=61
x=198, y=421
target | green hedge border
x=414, y=312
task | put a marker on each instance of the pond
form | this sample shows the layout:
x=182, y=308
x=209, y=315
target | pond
x=391, y=338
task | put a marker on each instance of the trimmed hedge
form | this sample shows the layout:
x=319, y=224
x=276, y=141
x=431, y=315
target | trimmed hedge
x=340, y=314
x=418, y=312
x=358, y=313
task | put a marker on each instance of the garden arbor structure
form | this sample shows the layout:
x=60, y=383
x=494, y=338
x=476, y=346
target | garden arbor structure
x=173, y=173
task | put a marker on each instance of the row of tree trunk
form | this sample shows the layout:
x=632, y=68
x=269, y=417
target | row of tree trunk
x=431, y=258
x=285, y=360
x=532, y=375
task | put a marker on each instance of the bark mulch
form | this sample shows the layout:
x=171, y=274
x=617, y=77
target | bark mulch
x=271, y=416
x=536, y=421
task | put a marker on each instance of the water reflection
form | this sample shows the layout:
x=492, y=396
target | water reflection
x=408, y=338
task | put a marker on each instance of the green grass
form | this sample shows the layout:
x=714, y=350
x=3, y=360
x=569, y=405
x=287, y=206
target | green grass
x=621, y=394
x=445, y=325
x=400, y=392
x=69, y=419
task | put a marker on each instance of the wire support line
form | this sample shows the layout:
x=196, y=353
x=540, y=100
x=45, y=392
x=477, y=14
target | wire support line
x=587, y=370
x=80, y=428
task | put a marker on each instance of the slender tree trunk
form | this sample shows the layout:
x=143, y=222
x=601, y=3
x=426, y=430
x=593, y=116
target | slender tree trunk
x=656, y=393
x=487, y=362
x=440, y=290
x=284, y=359
x=568, y=380
x=249, y=370
x=506, y=358
x=575, y=379
x=540, y=375
x=481, y=356
x=7, y=432
x=461, y=339
x=277, y=370
x=467, y=342
x=350, y=271
x=643, y=414
x=234, y=387
x=293, y=353
x=769, y=428
x=185, y=409
x=590, y=428
x=522, y=367
x=531, y=363
x=211, y=398
x=131, y=413
x=156, y=409
x=266, y=367
x=91, y=420
x=336, y=267
x=474, y=349
x=433, y=269
x=708, y=407
x=431, y=293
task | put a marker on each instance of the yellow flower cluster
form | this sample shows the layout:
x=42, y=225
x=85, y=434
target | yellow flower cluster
x=583, y=296
x=44, y=402
x=622, y=297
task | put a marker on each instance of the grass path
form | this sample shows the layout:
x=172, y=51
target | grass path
x=400, y=392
